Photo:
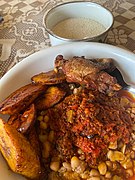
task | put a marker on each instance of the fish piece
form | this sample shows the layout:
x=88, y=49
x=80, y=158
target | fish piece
x=89, y=73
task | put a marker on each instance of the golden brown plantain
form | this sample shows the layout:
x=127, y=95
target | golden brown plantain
x=27, y=119
x=51, y=97
x=14, y=120
x=21, y=99
x=18, y=152
x=24, y=122
x=34, y=141
x=48, y=78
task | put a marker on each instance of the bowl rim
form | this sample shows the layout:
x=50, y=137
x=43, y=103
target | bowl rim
x=83, y=39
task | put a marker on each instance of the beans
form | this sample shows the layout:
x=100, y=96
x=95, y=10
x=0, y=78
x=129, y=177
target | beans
x=67, y=166
x=129, y=172
x=82, y=157
x=123, y=149
x=71, y=176
x=108, y=175
x=75, y=162
x=80, y=151
x=113, y=145
x=46, y=118
x=133, y=147
x=62, y=170
x=40, y=118
x=115, y=177
x=132, y=154
x=43, y=137
x=114, y=166
x=51, y=136
x=43, y=113
x=46, y=150
x=85, y=175
x=43, y=125
x=55, y=166
x=127, y=164
x=94, y=172
x=81, y=168
x=109, y=164
x=115, y=155
x=94, y=178
x=102, y=168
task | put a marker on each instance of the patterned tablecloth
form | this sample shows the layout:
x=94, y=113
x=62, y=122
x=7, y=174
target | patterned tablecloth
x=22, y=32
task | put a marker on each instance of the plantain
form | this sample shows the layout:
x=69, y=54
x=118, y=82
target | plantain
x=49, y=78
x=51, y=97
x=18, y=152
x=20, y=99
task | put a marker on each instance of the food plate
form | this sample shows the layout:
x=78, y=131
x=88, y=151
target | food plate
x=43, y=60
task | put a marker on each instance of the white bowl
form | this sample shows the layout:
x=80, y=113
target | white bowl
x=43, y=60
x=79, y=9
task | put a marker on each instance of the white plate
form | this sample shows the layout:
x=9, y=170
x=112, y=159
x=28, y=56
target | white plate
x=43, y=60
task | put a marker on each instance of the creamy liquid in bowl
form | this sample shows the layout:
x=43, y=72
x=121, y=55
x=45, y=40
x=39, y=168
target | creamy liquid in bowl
x=78, y=28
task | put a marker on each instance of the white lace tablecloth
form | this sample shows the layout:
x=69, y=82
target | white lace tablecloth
x=22, y=32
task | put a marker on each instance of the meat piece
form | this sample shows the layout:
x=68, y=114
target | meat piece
x=21, y=99
x=48, y=78
x=89, y=73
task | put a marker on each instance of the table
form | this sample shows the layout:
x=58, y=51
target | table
x=22, y=32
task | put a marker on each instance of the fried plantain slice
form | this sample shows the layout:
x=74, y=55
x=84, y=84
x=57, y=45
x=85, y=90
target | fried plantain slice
x=14, y=120
x=34, y=140
x=27, y=119
x=21, y=99
x=24, y=122
x=18, y=152
x=49, y=78
x=51, y=97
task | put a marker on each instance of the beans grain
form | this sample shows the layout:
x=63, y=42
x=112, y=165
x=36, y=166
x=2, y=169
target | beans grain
x=75, y=162
x=102, y=168
x=55, y=166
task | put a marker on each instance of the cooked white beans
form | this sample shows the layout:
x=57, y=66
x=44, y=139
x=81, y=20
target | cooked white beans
x=115, y=156
x=108, y=175
x=123, y=149
x=51, y=136
x=75, y=162
x=127, y=164
x=94, y=172
x=46, y=150
x=113, y=145
x=55, y=166
x=130, y=172
x=67, y=166
x=94, y=178
x=81, y=168
x=102, y=168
